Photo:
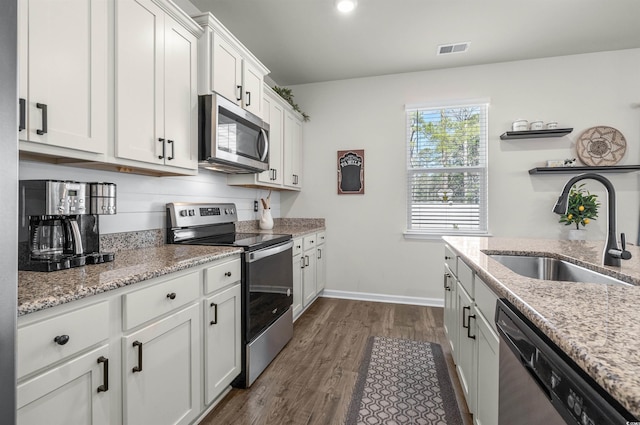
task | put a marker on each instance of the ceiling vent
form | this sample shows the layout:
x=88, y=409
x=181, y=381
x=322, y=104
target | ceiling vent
x=445, y=49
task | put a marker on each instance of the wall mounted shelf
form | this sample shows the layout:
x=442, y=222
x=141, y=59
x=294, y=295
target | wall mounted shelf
x=579, y=170
x=535, y=134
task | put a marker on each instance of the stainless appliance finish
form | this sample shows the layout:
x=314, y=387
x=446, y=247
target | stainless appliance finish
x=231, y=139
x=267, y=278
x=539, y=384
x=9, y=216
x=58, y=226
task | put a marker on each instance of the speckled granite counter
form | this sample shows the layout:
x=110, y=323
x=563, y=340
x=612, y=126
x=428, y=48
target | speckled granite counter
x=37, y=291
x=288, y=226
x=597, y=325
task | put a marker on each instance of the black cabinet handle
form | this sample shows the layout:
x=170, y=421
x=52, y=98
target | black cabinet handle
x=61, y=339
x=275, y=174
x=215, y=314
x=173, y=150
x=44, y=130
x=471, y=316
x=306, y=259
x=171, y=296
x=319, y=253
x=23, y=116
x=105, y=366
x=446, y=277
x=464, y=316
x=446, y=257
x=239, y=96
x=228, y=274
x=139, y=367
x=248, y=98
x=302, y=262
x=161, y=140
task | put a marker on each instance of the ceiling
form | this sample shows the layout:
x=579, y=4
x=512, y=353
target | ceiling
x=305, y=41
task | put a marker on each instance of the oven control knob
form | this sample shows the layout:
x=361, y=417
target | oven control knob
x=233, y=211
x=183, y=213
x=571, y=401
x=192, y=213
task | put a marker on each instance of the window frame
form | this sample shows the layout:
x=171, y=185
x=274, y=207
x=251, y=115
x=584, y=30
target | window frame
x=482, y=170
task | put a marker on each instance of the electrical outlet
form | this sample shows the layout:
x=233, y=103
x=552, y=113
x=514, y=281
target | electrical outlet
x=255, y=206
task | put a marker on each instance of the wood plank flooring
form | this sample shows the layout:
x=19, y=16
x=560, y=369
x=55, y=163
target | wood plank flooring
x=312, y=379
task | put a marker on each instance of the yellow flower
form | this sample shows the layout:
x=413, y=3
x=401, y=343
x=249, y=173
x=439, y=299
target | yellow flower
x=581, y=208
x=570, y=216
x=586, y=221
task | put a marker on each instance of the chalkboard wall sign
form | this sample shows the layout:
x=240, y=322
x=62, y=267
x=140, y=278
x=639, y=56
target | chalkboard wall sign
x=351, y=172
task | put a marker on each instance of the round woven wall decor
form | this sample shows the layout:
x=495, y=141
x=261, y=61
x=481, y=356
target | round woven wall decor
x=601, y=146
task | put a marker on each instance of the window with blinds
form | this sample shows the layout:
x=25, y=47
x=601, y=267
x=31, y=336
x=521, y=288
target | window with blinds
x=447, y=169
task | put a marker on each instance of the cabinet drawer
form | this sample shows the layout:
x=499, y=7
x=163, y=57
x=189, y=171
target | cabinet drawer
x=486, y=301
x=450, y=259
x=297, y=246
x=309, y=242
x=465, y=276
x=221, y=275
x=156, y=300
x=320, y=237
x=37, y=346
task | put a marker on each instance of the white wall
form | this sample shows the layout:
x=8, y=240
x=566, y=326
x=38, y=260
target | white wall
x=367, y=251
x=141, y=199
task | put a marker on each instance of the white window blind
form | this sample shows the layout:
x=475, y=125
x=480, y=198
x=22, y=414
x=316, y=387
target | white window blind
x=447, y=169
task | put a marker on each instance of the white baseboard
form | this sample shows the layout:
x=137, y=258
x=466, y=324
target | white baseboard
x=394, y=299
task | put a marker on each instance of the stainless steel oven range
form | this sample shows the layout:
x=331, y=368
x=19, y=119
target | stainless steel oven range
x=267, y=278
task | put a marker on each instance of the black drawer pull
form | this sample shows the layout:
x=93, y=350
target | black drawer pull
x=173, y=150
x=215, y=314
x=228, y=274
x=319, y=254
x=23, y=112
x=139, y=367
x=471, y=316
x=446, y=277
x=239, y=96
x=248, y=98
x=171, y=296
x=44, y=118
x=61, y=339
x=464, y=316
x=105, y=385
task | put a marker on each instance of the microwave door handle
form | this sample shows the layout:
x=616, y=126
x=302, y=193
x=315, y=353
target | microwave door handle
x=266, y=144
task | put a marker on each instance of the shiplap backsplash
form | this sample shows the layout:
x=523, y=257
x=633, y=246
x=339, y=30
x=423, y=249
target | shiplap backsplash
x=141, y=199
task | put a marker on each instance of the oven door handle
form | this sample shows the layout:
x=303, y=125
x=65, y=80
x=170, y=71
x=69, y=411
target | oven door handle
x=267, y=252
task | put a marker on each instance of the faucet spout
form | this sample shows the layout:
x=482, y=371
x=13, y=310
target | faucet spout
x=612, y=254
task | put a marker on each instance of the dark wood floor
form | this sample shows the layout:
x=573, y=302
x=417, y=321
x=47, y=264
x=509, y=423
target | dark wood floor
x=311, y=380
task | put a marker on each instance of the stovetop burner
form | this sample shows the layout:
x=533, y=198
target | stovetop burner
x=248, y=241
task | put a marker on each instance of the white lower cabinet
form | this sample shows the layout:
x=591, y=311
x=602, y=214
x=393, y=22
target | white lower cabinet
x=75, y=392
x=162, y=370
x=321, y=262
x=223, y=333
x=298, y=276
x=309, y=289
x=472, y=335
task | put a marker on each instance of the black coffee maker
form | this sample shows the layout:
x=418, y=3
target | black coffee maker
x=58, y=226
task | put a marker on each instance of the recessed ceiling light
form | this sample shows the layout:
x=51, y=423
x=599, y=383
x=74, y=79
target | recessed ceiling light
x=346, y=6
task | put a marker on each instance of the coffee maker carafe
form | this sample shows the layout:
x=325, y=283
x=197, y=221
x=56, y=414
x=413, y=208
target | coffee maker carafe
x=58, y=230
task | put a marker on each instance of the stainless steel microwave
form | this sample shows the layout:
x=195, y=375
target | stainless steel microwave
x=231, y=139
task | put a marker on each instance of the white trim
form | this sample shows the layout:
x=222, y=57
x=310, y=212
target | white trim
x=414, y=234
x=448, y=103
x=383, y=298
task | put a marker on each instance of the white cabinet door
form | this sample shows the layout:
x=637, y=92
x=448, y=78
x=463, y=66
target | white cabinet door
x=180, y=95
x=156, y=87
x=223, y=343
x=162, y=371
x=252, y=89
x=139, y=81
x=451, y=312
x=487, y=374
x=292, y=151
x=466, y=347
x=309, y=289
x=226, y=70
x=68, y=394
x=63, y=49
x=298, y=277
x=321, y=268
x=274, y=113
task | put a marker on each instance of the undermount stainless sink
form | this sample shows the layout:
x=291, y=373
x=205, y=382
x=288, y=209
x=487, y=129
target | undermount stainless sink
x=547, y=268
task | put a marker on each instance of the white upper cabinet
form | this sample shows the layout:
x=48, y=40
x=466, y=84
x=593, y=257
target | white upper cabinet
x=63, y=60
x=156, y=85
x=292, y=151
x=227, y=67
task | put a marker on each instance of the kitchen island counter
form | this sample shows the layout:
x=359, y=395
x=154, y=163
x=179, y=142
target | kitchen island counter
x=38, y=290
x=596, y=325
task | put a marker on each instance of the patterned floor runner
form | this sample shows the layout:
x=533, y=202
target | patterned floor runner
x=403, y=382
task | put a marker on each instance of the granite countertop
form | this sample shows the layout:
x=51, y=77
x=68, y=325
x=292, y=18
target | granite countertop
x=288, y=226
x=597, y=325
x=38, y=291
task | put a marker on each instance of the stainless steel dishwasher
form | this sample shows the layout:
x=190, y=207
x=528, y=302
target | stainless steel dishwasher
x=539, y=384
